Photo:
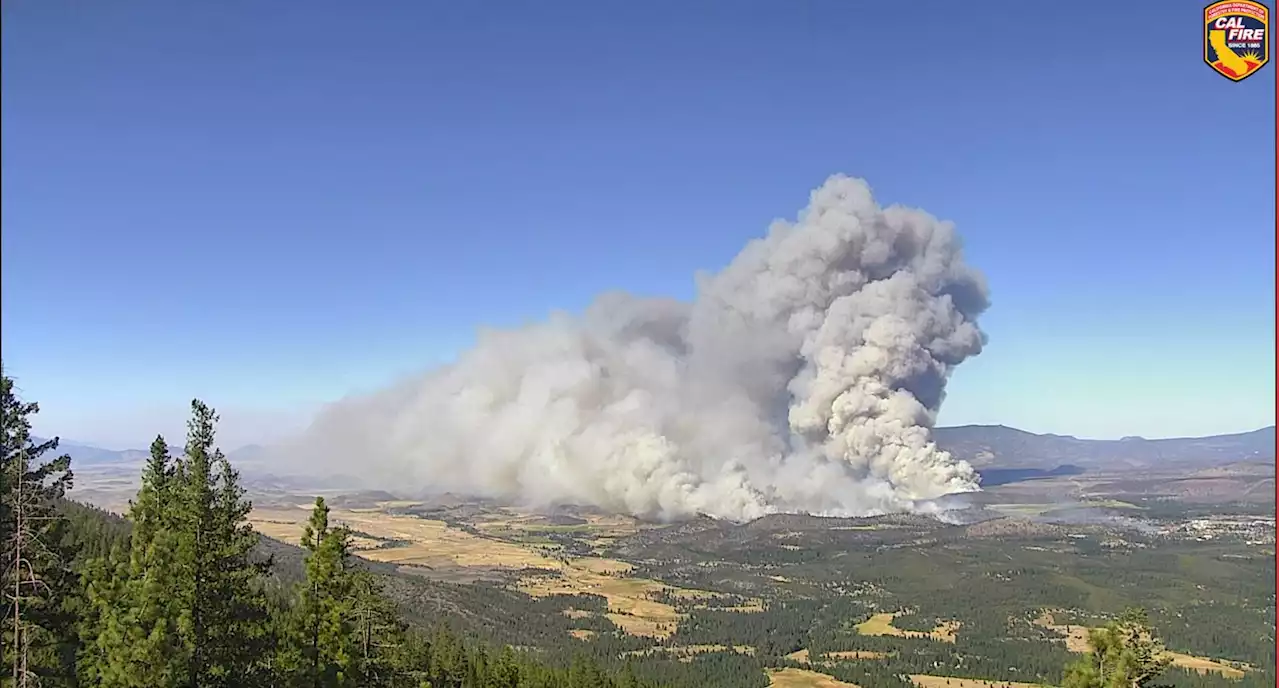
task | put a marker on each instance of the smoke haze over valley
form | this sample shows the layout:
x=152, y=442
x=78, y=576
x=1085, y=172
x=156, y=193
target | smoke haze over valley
x=804, y=377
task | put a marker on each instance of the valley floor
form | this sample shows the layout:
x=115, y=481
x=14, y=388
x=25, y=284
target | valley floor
x=827, y=603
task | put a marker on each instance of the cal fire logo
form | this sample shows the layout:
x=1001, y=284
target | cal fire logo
x=1236, y=44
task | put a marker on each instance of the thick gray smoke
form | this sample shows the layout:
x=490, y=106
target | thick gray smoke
x=804, y=377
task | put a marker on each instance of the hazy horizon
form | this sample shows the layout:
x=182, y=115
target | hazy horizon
x=177, y=438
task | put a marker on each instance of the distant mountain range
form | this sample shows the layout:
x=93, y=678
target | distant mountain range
x=88, y=455
x=990, y=448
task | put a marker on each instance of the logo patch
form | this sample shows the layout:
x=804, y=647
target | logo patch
x=1237, y=39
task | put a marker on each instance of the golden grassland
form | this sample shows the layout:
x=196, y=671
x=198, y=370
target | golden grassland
x=801, y=655
x=1205, y=665
x=828, y=658
x=430, y=543
x=279, y=527
x=632, y=606
x=927, y=681
x=882, y=624
x=803, y=678
x=1076, y=639
x=437, y=544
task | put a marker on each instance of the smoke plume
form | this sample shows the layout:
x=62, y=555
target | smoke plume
x=805, y=376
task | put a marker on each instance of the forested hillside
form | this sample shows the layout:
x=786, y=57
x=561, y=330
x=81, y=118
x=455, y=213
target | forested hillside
x=182, y=594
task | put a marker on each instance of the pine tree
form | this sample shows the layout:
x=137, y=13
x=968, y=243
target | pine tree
x=322, y=647
x=102, y=591
x=379, y=631
x=343, y=632
x=135, y=640
x=222, y=619
x=35, y=575
x=1124, y=654
x=151, y=509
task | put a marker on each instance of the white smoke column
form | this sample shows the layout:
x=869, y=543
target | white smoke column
x=805, y=377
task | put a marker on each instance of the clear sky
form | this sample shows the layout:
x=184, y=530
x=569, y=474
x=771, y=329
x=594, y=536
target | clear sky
x=272, y=204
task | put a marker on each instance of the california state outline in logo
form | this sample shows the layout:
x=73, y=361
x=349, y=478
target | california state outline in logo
x=1237, y=40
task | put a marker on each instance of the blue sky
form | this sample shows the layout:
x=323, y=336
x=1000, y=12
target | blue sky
x=269, y=205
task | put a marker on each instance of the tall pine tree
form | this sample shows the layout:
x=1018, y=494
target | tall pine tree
x=35, y=575
x=321, y=648
x=222, y=618
x=135, y=640
x=342, y=631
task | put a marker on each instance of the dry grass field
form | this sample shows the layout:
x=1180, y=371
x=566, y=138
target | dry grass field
x=1075, y=637
x=802, y=656
x=1204, y=665
x=803, y=678
x=632, y=606
x=284, y=525
x=799, y=656
x=437, y=544
x=927, y=681
x=1077, y=640
x=882, y=624
x=430, y=543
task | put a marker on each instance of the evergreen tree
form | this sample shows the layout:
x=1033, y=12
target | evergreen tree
x=135, y=638
x=102, y=590
x=379, y=632
x=150, y=511
x=322, y=647
x=343, y=631
x=1124, y=654
x=222, y=619
x=38, y=635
